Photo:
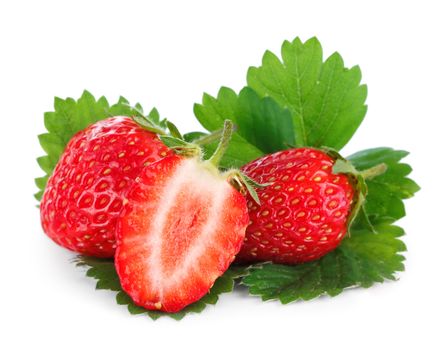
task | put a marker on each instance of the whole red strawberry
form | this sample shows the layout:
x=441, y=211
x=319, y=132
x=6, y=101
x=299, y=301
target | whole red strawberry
x=304, y=210
x=84, y=195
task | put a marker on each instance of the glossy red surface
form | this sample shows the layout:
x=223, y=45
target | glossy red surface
x=303, y=213
x=84, y=195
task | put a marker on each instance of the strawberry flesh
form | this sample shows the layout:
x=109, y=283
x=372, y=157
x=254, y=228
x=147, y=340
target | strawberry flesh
x=180, y=230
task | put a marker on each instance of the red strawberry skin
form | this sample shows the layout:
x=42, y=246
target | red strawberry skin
x=304, y=211
x=180, y=230
x=84, y=195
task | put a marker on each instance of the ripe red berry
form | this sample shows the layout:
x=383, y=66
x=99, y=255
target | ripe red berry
x=304, y=211
x=180, y=230
x=84, y=195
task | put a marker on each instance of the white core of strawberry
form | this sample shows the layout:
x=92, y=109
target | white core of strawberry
x=190, y=174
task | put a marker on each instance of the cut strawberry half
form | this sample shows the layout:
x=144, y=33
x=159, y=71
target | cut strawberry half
x=181, y=228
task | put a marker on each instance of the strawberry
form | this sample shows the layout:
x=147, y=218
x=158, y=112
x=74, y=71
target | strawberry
x=180, y=230
x=84, y=195
x=304, y=211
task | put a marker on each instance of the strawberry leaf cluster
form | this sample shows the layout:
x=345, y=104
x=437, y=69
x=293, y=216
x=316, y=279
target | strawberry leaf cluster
x=103, y=270
x=298, y=99
x=362, y=260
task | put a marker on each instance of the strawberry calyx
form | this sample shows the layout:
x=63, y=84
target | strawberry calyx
x=235, y=177
x=244, y=184
x=167, y=128
x=149, y=122
x=170, y=135
x=372, y=172
x=181, y=147
x=358, y=181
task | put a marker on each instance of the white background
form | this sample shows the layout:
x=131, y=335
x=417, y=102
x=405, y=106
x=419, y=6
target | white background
x=167, y=54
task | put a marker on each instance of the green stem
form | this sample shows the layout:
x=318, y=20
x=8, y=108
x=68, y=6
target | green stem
x=174, y=130
x=208, y=139
x=377, y=170
x=214, y=136
x=223, y=144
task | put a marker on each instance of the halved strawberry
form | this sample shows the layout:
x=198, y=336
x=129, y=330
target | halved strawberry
x=181, y=228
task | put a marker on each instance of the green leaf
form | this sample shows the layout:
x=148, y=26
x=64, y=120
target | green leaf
x=173, y=142
x=326, y=99
x=155, y=116
x=103, y=270
x=262, y=122
x=361, y=260
x=41, y=182
x=384, y=202
x=262, y=125
x=69, y=117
